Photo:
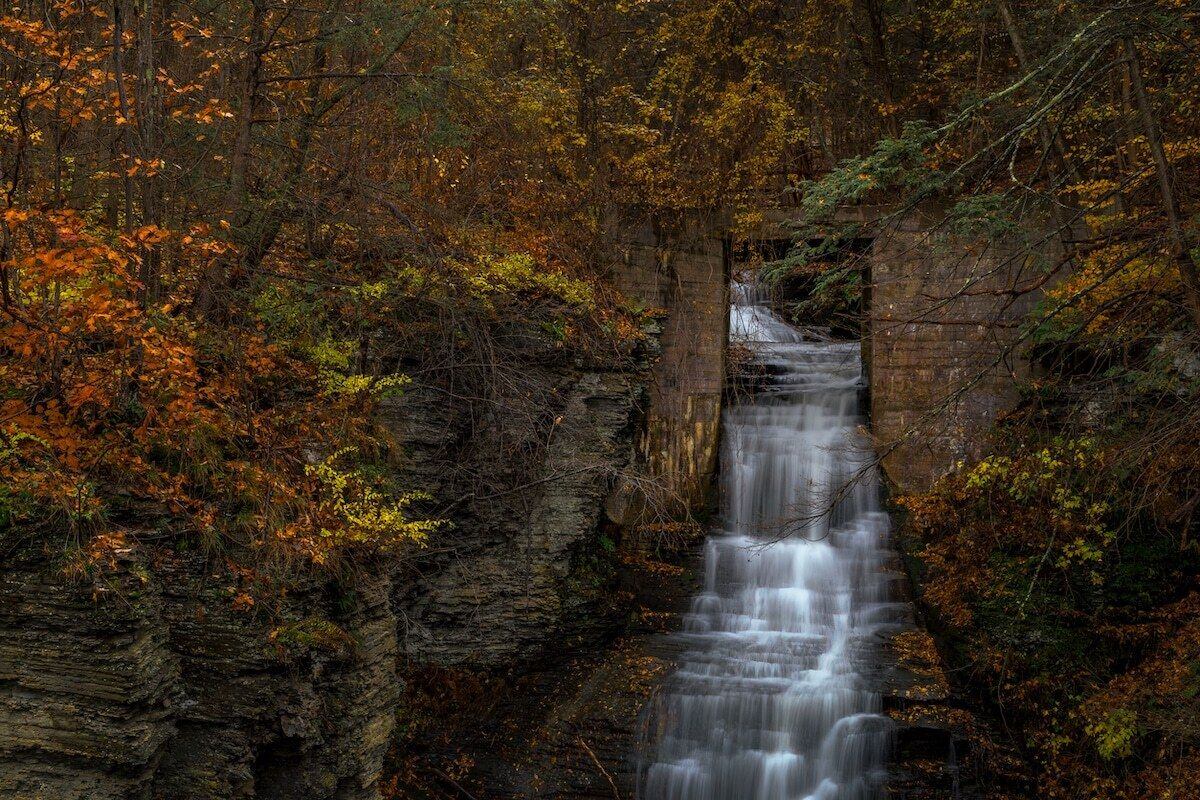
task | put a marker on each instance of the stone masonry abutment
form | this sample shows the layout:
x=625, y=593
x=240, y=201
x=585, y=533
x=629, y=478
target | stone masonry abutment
x=943, y=342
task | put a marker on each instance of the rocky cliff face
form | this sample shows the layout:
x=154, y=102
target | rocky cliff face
x=524, y=568
x=148, y=681
x=85, y=686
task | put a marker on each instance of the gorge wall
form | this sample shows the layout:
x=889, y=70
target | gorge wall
x=150, y=682
x=156, y=678
x=152, y=679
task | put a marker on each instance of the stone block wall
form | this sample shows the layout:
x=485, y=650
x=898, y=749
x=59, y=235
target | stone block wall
x=682, y=268
x=944, y=351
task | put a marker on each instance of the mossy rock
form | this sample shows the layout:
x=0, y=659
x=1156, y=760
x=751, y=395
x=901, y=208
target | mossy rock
x=311, y=636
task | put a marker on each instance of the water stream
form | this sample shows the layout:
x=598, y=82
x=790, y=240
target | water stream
x=774, y=697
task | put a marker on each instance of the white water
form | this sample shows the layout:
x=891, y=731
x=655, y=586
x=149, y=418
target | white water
x=773, y=698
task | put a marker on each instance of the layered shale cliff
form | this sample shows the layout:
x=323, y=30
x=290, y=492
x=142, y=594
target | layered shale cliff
x=148, y=681
x=156, y=677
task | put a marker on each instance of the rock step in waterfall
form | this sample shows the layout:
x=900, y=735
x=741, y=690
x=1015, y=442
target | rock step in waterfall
x=774, y=697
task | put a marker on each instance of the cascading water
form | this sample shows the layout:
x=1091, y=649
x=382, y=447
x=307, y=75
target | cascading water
x=773, y=698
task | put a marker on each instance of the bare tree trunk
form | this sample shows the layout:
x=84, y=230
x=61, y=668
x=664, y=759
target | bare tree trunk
x=1014, y=34
x=150, y=128
x=112, y=194
x=1051, y=142
x=239, y=161
x=1052, y=145
x=877, y=58
x=1180, y=247
x=123, y=104
x=210, y=294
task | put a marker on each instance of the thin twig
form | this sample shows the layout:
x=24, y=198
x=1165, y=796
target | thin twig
x=616, y=792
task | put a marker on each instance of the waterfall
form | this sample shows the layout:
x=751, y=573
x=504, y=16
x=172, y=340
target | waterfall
x=774, y=697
